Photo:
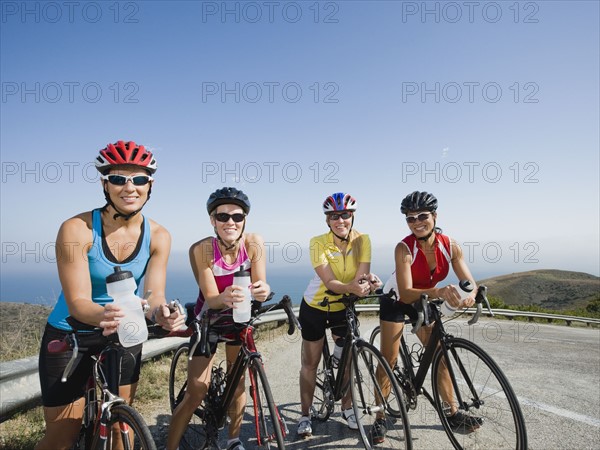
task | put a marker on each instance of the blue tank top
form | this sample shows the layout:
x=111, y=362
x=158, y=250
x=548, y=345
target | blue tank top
x=100, y=267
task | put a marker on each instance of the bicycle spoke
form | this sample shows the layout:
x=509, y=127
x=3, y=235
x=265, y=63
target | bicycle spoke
x=270, y=427
x=490, y=415
x=378, y=404
x=127, y=427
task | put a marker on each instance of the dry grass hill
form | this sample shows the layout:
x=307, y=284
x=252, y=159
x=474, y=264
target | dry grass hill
x=550, y=289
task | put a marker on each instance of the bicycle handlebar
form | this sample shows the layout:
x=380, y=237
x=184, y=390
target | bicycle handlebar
x=258, y=309
x=480, y=298
x=350, y=299
x=423, y=310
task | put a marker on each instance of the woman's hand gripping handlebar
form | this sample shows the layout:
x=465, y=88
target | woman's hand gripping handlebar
x=423, y=311
x=258, y=309
x=348, y=299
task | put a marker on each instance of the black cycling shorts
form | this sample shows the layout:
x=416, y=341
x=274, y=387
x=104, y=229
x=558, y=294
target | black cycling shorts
x=391, y=310
x=315, y=321
x=52, y=366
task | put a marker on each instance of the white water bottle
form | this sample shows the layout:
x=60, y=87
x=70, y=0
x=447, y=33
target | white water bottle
x=337, y=351
x=132, y=329
x=465, y=288
x=242, y=310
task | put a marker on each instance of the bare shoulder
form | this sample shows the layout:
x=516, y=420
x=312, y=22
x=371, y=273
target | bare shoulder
x=201, y=246
x=201, y=253
x=77, y=228
x=158, y=231
x=402, y=248
x=456, y=249
x=254, y=238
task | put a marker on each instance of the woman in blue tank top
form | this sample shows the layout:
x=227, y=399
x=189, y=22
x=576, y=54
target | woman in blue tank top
x=88, y=247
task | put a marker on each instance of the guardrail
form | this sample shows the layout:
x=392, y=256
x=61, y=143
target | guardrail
x=20, y=386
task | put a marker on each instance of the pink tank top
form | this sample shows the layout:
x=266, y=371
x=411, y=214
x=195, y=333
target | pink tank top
x=223, y=272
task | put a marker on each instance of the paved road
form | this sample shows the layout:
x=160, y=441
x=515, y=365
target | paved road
x=555, y=371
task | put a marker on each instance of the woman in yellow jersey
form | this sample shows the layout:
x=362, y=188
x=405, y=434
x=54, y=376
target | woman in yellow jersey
x=342, y=262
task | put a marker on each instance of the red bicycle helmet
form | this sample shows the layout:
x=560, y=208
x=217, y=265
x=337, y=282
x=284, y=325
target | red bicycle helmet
x=125, y=153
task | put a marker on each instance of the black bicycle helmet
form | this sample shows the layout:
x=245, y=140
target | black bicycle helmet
x=228, y=196
x=419, y=201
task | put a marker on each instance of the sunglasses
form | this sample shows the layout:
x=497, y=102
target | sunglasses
x=335, y=216
x=121, y=180
x=224, y=217
x=420, y=217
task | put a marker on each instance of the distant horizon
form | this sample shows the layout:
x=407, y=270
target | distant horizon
x=182, y=286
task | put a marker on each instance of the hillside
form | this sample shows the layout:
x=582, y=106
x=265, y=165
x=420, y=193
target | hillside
x=551, y=289
x=21, y=329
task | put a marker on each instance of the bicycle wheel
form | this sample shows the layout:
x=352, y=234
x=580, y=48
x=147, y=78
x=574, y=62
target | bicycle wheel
x=401, y=370
x=323, y=399
x=374, y=338
x=490, y=415
x=270, y=427
x=377, y=401
x=194, y=436
x=133, y=431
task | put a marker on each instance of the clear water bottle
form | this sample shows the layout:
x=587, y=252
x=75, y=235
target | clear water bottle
x=337, y=351
x=242, y=310
x=465, y=288
x=132, y=329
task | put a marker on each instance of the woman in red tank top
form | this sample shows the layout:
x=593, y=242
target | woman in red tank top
x=423, y=259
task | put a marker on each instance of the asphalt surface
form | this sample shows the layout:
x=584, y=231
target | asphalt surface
x=554, y=370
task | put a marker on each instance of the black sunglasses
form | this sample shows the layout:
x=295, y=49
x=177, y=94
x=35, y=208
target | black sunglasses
x=420, y=217
x=224, y=217
x=335, y=216
x=121, y=180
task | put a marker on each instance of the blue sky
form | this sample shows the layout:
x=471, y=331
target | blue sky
x=493, y=107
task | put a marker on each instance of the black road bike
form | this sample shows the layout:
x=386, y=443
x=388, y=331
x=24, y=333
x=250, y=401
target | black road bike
x=482, y=393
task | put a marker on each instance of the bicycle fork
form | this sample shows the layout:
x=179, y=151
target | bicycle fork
x=256, y=401
x=448, y=350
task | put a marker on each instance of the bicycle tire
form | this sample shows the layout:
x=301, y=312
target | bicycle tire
x=503, y=424
x=371, y=374
x=400, y=371
x=323, y=399
x=135, y=434
x=374, y=338
x=269, y=424
x=194, y=436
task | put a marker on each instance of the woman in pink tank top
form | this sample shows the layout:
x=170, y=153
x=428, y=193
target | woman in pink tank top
x=214, y=260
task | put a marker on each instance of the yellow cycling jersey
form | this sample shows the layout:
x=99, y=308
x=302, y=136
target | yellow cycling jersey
x=324, y=251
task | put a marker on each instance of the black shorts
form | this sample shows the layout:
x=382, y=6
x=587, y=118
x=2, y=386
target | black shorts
x=222, y=328
x=315, y=321
x=52, y=366
x=391, y=310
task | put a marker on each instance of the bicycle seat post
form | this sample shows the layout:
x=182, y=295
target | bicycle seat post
x=111, y=369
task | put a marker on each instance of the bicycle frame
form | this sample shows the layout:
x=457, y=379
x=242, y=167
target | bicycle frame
x=339, y=380
x=212, y=328
x=246, y=354
x=437, y=339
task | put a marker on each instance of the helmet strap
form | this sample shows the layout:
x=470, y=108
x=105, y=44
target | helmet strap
x=229, y=247
x=426, y=238
x=347, y=238
x=119, y=213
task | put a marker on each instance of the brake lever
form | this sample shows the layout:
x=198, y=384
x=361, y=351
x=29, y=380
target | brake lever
x=422, y=314
x=480, y=298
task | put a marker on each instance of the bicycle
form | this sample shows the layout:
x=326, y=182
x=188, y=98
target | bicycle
x=103, y=412
x=362, y=360
x=481, y=389
x=270, y=427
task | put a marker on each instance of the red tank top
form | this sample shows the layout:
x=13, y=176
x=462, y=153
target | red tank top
x=422, y=277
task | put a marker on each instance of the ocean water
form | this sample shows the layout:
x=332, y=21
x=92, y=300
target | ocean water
x=44, y=288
